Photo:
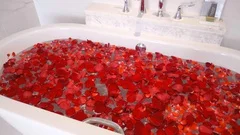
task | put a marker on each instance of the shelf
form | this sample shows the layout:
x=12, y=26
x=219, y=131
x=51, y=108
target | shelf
x=194, y=29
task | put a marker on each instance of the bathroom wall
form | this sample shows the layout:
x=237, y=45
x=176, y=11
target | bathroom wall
x=231, y=16
x=54, y=11
x=17, y=15
x=61, y=11
x=22, y=13
x=50, y=12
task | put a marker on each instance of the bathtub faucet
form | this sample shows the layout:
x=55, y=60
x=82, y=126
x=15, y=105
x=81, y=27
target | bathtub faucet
x=126, y=6
x=160, y=8
x=178, y=15
x=143, y=6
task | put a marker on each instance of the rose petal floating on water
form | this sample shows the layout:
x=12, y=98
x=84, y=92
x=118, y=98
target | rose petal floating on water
x=145, y=94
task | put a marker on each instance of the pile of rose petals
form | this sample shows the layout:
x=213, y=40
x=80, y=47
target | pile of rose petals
x=145, y=93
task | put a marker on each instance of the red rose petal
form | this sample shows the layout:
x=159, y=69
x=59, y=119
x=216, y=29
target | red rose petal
x=139, y=112
x=121, y=103
x=139, y=97
x=80, y=115
x=89, y=67
x=9, y=70
x=129, y=125
x=113, y=89
x=116, y=118
x=131, y=97
x=118, y=110
x=83, y=99
x=141, y=129
x=171, y=130
x=127, y=84
x=206, y=130
x=100, y=107
x=164, y=97
x=160, y=132
x=156, y=119
x=153, y=91
x=129, y=132
x=157, y=104
x=131, y=87
x=237, y=76
x=98, y=67
x=27, y=94
x=159, y=67
x=200, y=119
x=43, y=105
x=75, y=76
x=190, y=119
x=147, y=130
x=70, y=112
x=90, y=83
x=136, y=77
x=50, y=108
x=177, y=100
x=146, y=91
x=69, y=96
x=208, y=113
x=62, y=72
x=177, y=87
x=74, y=42
x=171, y=67
x=192, y=97
x=90, y=103
x=64, y=104
x=35, y=100
x=100, y=98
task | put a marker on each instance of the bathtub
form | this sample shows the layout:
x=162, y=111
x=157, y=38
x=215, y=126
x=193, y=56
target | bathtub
x=29, y=120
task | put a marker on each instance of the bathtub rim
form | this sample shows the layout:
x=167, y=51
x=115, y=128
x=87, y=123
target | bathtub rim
x=204, y=47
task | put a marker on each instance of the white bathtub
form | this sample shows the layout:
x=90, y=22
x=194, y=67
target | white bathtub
x=29, y=120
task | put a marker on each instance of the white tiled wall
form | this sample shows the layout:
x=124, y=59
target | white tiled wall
x=17, y=15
